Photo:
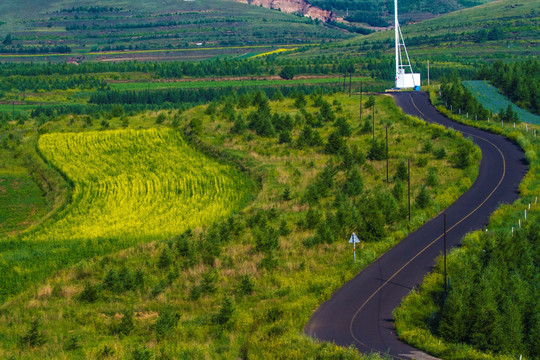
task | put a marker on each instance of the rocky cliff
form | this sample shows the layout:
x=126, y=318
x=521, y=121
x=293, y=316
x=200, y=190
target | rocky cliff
x=294, y=7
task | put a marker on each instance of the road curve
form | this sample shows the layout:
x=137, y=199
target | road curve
x=360, y=313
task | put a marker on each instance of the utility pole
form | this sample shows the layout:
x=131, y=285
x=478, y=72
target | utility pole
x=409, y=185
x=387, y=154
x=361, y=89
x=350, y=83
x=445, y=280
x=373, y=107
x=428, y=72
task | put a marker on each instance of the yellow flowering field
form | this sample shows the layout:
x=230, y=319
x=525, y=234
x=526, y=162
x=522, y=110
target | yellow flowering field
x=137, y=183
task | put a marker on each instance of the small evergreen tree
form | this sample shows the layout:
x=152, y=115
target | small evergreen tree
x=377, y=150
x=354, y=183
x=33, y=337
x=166, y=321
x=246, y=285
x=335, y=143
x=239, y=126
x=344, y=129
x=370, y=102
x=165, y=259
x=423, y=198
x=287, y=73
x=401, y=172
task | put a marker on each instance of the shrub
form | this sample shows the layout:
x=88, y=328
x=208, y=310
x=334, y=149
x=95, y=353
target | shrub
x=165, y=259
x=246, y=285
x=287, y=73
x=208, y=282
x=141, y=353
x=461, y=158
x=89, y=294
x=439, y=153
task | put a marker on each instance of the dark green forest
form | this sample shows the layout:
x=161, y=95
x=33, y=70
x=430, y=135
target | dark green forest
x=492, y=302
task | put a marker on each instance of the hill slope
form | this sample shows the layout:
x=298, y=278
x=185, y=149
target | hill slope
x=187, y=28
x=499, y=29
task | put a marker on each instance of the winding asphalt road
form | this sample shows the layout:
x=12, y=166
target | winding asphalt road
x=360, y=313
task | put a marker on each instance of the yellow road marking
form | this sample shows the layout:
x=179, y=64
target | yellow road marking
x=434, y=241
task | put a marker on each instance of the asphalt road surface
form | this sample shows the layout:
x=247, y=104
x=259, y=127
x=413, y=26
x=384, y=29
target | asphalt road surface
x=360, y=313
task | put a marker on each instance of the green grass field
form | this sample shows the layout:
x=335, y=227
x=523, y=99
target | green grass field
x=244, y=286
x=494, y=101
x=187, y=30
x=452, y=37
x=210, y=83
x=21, y=202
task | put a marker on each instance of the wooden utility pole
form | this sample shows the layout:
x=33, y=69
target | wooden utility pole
x=445, y=279
x=387, y=154
x=350, y=83
x=361, y=89
x=409, y=185
x=373, y=107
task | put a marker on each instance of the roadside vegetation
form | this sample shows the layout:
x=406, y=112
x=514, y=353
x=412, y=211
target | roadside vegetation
x=491, y=310
x=245, y=286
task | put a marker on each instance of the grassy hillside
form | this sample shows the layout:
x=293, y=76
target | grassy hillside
x=501, y=29
x=381, y=13
x=128, y=186
x=244, y=287
x=188, y=30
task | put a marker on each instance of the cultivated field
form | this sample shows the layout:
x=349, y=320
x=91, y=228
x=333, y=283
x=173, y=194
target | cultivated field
x=128, y=186
x=493, y=100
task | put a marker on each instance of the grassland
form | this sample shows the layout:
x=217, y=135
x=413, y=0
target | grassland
x=244, y=287
x=21, y=202
x=460, y=39
x=494, y=101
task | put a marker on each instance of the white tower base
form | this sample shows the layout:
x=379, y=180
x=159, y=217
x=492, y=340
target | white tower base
x=408, y=81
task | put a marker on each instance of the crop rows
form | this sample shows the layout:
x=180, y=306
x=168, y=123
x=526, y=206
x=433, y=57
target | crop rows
x=137, y=183
x=493, y=100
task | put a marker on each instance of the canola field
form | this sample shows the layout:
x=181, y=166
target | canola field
x=137, y=183
x=128, y=187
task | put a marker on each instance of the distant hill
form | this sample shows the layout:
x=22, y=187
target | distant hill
x=380, y=13
x=495, y=30
x=191, y=30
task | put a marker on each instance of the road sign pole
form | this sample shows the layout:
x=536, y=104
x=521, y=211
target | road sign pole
x=353, y=240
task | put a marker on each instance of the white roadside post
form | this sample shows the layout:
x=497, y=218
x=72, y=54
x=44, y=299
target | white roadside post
x=353, y=240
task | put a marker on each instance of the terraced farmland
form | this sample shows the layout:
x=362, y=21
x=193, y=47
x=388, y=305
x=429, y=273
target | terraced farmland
x=493, y=100
x=137, y=183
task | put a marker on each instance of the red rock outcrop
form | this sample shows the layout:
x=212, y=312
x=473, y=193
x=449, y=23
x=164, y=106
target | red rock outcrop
x=294, y=7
